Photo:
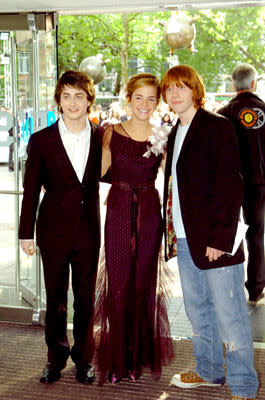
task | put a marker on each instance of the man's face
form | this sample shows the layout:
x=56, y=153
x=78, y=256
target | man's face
x=74, y=103
x=179, y=98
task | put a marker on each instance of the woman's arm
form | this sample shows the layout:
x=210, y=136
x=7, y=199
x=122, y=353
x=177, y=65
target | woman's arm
x=106, y=153
x=163, y=162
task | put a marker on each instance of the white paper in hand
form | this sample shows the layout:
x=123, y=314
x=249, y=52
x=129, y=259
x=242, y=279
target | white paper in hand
x=240, y=235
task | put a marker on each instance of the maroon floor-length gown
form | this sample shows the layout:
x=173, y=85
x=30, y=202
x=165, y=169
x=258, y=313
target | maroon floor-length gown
x=134, y=325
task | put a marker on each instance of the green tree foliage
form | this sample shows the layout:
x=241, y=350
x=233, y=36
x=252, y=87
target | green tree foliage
x=119, y=37
x=224, y=38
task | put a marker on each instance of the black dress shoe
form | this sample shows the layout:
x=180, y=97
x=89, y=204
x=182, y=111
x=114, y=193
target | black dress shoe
x=256, y=298
x=85, y=374
x=51, y=373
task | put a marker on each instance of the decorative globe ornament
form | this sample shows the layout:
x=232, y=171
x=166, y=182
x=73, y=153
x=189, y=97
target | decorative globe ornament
x=95, y=67
x=179, y=31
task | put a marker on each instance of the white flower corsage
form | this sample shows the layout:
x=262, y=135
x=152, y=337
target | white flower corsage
x=158, y=140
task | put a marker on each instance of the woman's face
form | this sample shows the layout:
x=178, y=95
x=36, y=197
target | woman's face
x=143, y=102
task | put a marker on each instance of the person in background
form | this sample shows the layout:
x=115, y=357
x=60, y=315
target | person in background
x=11, y=148
x=114, y=115
x=203, y=193
x=166, y=120
x=126, y=113
x=247, y=112
x=134, y=326
x=65, y=159
x=103, y=118
x=94, y=116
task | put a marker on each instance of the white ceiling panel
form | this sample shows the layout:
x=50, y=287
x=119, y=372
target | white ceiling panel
x=100, y=6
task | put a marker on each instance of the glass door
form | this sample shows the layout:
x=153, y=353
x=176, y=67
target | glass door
x=28, y=75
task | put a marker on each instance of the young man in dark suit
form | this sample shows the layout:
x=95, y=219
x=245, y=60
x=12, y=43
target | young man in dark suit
x=247, y=112
x=203, y=170
x=65, y=159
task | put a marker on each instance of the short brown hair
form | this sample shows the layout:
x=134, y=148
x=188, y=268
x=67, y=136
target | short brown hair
x=187, y=75
x=78, y=80
x=140, y=80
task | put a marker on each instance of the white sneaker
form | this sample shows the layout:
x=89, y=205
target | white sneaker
x=191, y=379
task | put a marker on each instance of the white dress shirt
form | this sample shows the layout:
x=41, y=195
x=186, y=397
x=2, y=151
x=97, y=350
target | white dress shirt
x=77, y=146
x=176, y=211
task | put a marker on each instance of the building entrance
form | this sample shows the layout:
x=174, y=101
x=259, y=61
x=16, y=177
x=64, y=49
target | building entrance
x=28, y=75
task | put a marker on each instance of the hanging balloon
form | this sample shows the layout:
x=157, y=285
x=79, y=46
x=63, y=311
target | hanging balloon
x=179, y=31
x=95, y=67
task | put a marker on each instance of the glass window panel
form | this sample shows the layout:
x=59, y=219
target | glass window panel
x=14, y=263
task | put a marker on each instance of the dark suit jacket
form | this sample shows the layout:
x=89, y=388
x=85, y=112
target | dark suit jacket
x=210, y=187
x=65, y=197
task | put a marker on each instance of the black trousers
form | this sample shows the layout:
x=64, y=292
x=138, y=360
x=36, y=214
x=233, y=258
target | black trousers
x=82, y=256
x=254, y=214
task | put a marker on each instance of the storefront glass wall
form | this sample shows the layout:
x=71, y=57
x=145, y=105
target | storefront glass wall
x=28, y=70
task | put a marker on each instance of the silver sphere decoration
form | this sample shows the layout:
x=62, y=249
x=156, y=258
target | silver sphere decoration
x=95, y=67
x=179, y=31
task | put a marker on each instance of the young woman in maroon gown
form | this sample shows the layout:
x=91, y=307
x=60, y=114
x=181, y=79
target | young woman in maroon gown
x=134, y=325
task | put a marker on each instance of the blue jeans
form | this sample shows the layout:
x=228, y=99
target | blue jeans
x=216, y=306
